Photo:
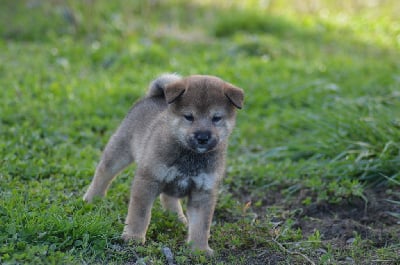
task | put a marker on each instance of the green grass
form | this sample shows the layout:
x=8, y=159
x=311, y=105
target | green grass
x=321, y=118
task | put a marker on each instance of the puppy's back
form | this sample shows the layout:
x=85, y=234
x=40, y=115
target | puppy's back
x=138, y=122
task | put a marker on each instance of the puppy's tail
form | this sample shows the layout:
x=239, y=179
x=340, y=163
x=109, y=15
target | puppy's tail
x=157, y=87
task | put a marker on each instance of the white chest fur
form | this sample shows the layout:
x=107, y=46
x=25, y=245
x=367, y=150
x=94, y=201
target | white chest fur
x=171, y=175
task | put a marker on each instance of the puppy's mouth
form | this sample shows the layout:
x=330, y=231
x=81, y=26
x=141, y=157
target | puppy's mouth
x=202, y=142
x=202, y=148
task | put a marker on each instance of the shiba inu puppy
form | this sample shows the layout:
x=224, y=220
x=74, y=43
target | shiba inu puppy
x=177, y=134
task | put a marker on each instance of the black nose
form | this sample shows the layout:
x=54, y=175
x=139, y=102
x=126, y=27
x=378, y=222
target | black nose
x=202, y=137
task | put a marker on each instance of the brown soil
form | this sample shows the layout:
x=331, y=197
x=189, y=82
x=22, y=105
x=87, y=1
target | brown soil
x=340, y=223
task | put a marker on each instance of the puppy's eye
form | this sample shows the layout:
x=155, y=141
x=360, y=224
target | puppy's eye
x=188, y=117
x=216, y=119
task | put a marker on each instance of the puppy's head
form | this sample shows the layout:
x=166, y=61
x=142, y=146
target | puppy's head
x=202, y=110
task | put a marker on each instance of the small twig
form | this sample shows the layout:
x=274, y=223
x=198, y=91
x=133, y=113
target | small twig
x=300, y=242
x=292, y=252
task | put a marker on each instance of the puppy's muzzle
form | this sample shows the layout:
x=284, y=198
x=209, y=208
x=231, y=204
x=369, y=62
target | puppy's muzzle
x=202, y=141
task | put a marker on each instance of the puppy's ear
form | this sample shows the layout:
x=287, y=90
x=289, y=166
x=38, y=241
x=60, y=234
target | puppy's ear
x=174, y=91
x=235, y=95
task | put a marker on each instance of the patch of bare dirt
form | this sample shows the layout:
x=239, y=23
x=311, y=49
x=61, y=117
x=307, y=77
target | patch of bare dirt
x=340, y=223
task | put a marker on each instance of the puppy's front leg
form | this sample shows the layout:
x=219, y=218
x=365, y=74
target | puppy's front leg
x=144, y=192
x=200, y=211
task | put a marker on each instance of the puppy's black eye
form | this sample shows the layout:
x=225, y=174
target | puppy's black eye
x=188, y=117
x=216, y=119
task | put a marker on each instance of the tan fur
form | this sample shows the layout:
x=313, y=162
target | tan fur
x=178, y=136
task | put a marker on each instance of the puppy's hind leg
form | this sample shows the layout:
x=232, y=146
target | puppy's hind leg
x=116, y=156
x=173, y=204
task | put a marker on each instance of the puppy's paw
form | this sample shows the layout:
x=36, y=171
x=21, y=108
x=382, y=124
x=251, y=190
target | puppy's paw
x=90, y=195
x=206, y=250
x=87, y=197
x=128, y=237
x=209, y=252
x=183, y=220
